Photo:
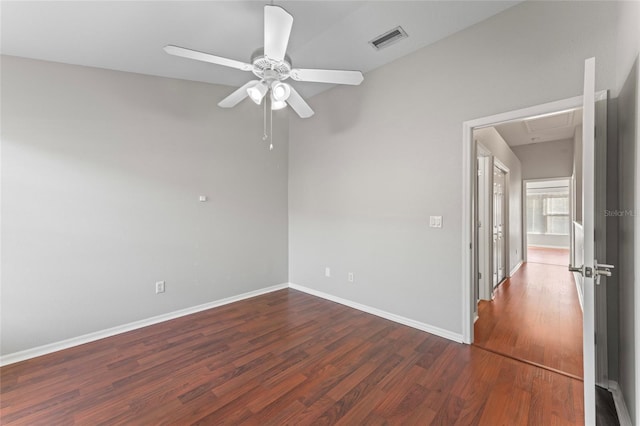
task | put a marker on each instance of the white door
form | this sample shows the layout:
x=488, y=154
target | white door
x=498, y=226
x=590, y=270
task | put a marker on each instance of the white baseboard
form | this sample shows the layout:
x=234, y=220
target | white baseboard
x=515, y=268
x=456, y=337
x=548, y=246
x=621, y=408
x=86, y=338
x=90, y=337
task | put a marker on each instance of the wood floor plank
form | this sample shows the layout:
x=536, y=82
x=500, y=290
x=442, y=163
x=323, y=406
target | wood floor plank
x=283, y=358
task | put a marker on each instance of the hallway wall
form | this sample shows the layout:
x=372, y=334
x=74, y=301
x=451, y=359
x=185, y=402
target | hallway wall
x=546, y=159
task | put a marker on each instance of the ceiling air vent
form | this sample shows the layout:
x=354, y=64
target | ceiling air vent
x=388, y=38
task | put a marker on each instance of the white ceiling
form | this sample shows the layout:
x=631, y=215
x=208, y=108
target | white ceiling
x=130, y=35
x=547, y=128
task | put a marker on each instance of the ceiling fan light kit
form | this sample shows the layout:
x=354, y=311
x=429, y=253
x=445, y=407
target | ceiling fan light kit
x=280, y=91
x=257, y=92
x=277, y=105
x=272, y=66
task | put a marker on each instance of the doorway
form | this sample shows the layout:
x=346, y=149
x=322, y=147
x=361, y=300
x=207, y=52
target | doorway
x=534, y=314
x=469, y=220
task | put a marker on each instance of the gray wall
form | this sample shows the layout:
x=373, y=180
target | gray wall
x=613, y=319
x=628, y=108
x=101, y=173
x=491, y=140
x=628, y=247
x=377, y=160
x=546, y=159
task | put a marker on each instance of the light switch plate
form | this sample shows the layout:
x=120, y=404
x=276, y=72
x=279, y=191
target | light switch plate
x=435, y=221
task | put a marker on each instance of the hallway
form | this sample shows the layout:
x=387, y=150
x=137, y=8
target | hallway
x=535, y=317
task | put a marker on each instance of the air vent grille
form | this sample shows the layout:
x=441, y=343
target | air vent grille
x=388, y=38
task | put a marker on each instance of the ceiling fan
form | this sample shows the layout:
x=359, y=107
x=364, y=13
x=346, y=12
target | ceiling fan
x=272, y=67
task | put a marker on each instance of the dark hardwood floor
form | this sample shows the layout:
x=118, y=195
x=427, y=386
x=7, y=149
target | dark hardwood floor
x=278, y=359
x=535, y=316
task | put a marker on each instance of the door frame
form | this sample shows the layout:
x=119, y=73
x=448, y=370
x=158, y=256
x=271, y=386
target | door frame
x=468, y=190
x=484, y=285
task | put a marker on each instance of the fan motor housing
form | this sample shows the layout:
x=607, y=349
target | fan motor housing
x=268, y=69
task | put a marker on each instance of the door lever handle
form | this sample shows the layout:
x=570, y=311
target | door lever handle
x=602, y=270
x=598, y=270
x=604, y=265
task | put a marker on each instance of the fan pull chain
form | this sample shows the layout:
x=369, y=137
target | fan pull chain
x=271, y=126
x=264, y=125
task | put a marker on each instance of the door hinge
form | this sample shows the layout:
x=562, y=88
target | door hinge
x=479, y=275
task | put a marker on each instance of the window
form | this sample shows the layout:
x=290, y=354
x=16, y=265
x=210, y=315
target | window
x=548, y=210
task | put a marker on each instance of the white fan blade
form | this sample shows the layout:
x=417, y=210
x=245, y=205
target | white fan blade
x=299, y=105
x=277, y=27
x=206, y=57
x=327, y=76
x=234, y=98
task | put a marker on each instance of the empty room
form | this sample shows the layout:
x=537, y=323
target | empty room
x=246, y=212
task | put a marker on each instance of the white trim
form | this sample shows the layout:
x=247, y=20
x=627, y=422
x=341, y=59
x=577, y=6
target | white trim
x=468, y=157
x=456, y=337
x=515, y=268
x=86, y=338
x=588, y=224
x=636, y=284
x=621, y=408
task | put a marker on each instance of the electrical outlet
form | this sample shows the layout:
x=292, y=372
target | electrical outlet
x=159, y=287
x=327, y=272
x=350, y=277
